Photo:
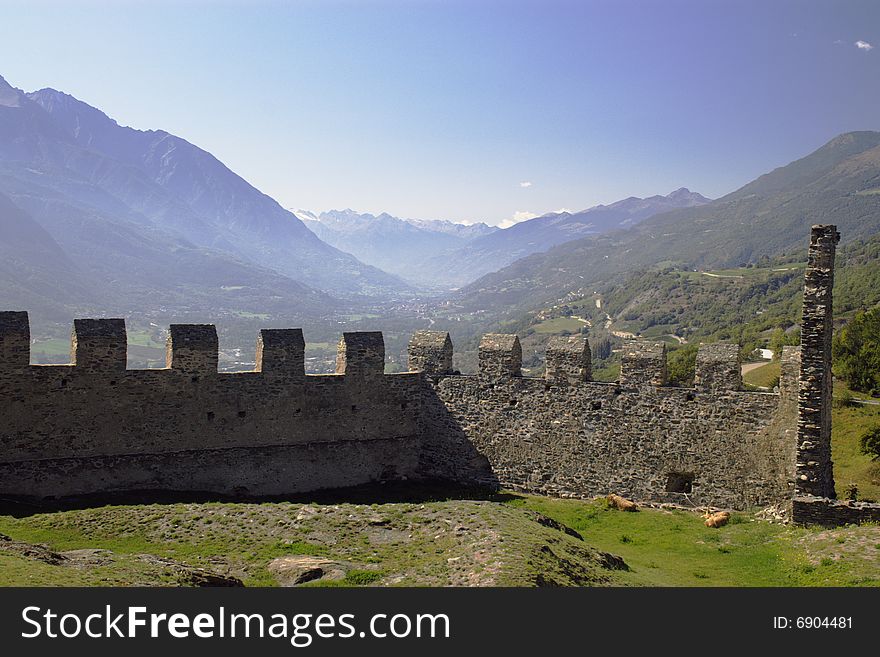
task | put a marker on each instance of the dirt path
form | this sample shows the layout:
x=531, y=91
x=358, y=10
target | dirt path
x=748, y=367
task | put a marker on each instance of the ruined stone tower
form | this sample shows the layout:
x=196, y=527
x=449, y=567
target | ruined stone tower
x=814, y=465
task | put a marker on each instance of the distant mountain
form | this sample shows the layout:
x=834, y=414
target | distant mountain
x=35, y=272
x=839, y=183
x=500, y=248
x=123, y=270
x=398, y=246
x=464, y=231
x=149, y=212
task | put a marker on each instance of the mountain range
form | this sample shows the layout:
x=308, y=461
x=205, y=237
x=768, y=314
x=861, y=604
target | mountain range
x=444, y=255
x=491, y=252
x=838, y=183
x=132, y=214
x=398, y=246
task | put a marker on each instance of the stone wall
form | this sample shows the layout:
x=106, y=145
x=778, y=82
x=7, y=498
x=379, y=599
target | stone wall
x=811, y=510
x=568, y=437
x=96, y=427
x=815, y=475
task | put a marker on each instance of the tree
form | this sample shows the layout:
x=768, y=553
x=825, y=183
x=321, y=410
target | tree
x=601, y=348
x=856, y=352
x=869, y=443
x=780, y=339
x=681, y=365
x=777, y=340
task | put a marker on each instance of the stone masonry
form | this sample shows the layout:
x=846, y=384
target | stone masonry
x=95, y=428
x=814, y=467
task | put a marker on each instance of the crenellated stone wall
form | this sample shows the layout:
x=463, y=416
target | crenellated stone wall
x=94, y=427
x=566, y=436
x=72, y=429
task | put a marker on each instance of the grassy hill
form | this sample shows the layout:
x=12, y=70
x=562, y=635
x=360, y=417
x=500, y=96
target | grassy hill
x=397, y=536
x=673, y=304
x=769, y=217
x=509, y=539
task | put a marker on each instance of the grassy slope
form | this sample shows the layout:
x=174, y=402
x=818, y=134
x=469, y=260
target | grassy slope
x=674, y=548
x=765, y=376
x=445, y=542
x=850, y=465
x=450, y=542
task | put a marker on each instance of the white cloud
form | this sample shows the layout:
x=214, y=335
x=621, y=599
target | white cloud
x=525, y=183
x=864, y=45
x=518, y=216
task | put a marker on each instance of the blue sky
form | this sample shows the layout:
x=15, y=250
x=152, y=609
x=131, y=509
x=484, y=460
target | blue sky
x=448, y=109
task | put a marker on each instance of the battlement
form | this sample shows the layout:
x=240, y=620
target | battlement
x=281, y=352
x=15, y=340
x=65, y=431
x=192, y=348
x=790, y=370
x=568, y=359
x=99, y=345
x=500, y=356
x=361, y=354
x=275, y=430
x=718, y=367
x=430, y=352
x=643, y=364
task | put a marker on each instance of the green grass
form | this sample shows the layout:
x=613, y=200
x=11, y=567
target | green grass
x=560, y=325
x=765, y=376
x=675, y=548
x=848, y=424
x=442, y=542
x=144, y=339
x=52, y=347
x=170, y=531
x=608, y=374
x=250, y=315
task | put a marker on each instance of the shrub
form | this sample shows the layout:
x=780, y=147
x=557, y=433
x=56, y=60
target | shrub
x=869, y=443
x=856, y=352
x=362, y=577
x=843, y=400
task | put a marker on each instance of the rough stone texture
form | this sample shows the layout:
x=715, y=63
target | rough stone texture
x=361, y=354
x=811, y=510
x=301, y=568
x=718, y=367
x=790, y=372
x=192, y=348
x=281, y=352
x=15, y=339
x=500, y=356
x=643, y=364
x=815, y=474
x=594, y=438
x=568, y=359
x=430, y=352
x=94, y=427
x=99, y=345
x=65, y=431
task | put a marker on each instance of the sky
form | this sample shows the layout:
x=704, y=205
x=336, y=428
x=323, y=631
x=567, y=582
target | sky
x=466, y=111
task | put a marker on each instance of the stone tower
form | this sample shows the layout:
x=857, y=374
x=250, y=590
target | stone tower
x=814, y=466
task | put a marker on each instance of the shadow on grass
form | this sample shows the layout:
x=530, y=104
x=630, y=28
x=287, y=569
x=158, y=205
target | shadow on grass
x=377, y=493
